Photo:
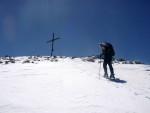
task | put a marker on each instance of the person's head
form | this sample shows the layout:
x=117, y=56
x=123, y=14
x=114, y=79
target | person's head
x=102, y=45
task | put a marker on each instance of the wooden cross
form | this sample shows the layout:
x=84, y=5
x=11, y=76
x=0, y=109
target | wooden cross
x=53, y=39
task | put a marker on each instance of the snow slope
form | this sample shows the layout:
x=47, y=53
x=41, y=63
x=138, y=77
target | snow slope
x=73, y=86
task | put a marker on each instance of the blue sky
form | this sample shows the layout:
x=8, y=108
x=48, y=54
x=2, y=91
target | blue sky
x=26, y=26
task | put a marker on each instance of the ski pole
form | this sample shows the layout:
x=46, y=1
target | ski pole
x=99, y=68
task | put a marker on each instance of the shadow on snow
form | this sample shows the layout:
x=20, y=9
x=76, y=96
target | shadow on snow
x=118, y=80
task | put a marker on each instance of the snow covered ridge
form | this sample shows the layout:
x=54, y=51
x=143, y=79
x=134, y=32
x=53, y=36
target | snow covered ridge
x=72, y=85
x=36, y=59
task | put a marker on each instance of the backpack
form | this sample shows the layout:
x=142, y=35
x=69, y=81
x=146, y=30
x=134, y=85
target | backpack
x=110, y=49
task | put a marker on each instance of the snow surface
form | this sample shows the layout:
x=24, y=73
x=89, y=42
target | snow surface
x=73, y=86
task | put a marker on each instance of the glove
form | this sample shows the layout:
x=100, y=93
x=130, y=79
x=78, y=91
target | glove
x=102, y=56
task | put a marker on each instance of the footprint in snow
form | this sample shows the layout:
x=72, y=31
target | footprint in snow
x=148, y=98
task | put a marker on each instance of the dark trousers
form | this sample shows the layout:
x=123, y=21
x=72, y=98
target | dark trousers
x=108, y=60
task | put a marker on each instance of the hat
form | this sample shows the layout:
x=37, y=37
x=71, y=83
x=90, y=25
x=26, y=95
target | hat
x=102, y=44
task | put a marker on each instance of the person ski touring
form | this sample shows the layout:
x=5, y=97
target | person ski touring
x=107, y=54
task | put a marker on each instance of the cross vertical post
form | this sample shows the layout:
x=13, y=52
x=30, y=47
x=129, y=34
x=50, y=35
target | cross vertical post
x=53, y=39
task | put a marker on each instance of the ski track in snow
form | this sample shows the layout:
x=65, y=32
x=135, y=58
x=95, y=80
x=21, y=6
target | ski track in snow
x=73, y=86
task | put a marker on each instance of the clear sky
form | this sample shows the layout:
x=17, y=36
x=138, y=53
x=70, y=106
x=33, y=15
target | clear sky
x=26, y=26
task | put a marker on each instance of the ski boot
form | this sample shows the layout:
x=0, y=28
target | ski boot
x=106, y=76
x=112, y=76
